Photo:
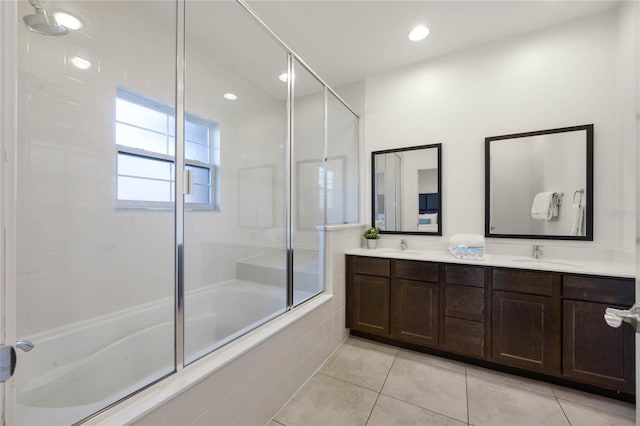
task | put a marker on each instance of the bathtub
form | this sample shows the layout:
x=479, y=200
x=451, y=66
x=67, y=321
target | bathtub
x=124, y=351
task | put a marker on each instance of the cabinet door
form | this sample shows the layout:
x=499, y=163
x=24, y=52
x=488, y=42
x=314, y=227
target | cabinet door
x=593, y=352
x=370, y=303
x=525, y=333
x=415, y=312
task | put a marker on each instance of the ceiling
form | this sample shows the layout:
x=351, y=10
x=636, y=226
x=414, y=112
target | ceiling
x=345, y=41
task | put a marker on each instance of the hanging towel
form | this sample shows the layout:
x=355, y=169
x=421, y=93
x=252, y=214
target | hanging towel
x=542, y=208
x=578, y=222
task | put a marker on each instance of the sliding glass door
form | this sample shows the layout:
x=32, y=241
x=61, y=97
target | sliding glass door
x=234, y=152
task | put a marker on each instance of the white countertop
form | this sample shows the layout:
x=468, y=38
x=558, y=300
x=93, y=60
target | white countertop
x=573, y=266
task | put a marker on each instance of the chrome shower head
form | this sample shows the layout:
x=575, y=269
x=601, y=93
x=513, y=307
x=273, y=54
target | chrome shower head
x=40, y=22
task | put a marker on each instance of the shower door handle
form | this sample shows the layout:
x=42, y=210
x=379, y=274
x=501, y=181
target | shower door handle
x=188, y=182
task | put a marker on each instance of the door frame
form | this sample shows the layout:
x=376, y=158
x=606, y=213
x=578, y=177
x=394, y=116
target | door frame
x=8, y=145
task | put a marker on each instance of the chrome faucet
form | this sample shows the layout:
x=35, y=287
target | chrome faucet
x=536, y=253
x=25, y=345
x=403, y=244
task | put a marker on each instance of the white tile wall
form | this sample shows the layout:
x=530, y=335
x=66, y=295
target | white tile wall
x=250, y=390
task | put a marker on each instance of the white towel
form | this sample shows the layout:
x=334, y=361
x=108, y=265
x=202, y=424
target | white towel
x=468, y=240
x=578, y=222
x=542, y=208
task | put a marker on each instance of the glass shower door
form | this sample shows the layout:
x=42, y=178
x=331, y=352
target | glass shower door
x=96, y=166
x=234, y=233
x=313, y=184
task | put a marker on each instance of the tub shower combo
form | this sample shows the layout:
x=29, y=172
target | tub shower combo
x=177, y=164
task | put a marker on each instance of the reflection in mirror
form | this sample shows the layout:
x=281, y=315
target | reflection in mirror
x=539, y=184
x=406, y=190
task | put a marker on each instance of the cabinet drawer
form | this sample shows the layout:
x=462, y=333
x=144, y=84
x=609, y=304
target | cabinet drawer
x=370, y=265
x=464, y=337
x=465, y=275
x=464, y=302
x=596, y=289
x=518, y=281
x=416, y=270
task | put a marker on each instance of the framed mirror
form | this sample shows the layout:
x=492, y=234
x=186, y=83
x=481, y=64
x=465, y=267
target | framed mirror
x=540, y=184
x=406, y=196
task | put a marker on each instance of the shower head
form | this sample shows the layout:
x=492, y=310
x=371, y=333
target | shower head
x=40, y=22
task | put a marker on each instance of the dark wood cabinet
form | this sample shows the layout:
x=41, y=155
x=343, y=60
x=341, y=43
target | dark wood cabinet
x=593, y=352
x=415, y=312
x=368, y=295
x=464, y=310
x=548, y=324
x=464, y=302
x=464, y=337
x=525, y=332
x=371, y=304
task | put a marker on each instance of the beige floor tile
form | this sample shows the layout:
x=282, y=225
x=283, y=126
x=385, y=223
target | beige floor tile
x=496, y=404
x=428, y=385
x=509, y=379
x=602, y=403
x=370, y=344
x=582, y=415
x=389, y=411
x=325, y=400
x=433, y=360
x=273, y=423
x=359, y=365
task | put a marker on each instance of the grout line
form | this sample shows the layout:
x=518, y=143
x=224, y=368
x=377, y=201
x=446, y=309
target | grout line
x=316, y=371
x=373, y=343
x=494, y=377
x=425, y=409
x=466, y=387
x=562, y=408
x=583, y=403
x=381, y=387
x=322, y=373
x=604, y=410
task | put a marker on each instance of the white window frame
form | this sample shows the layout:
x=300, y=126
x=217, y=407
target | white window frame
x=214, y=144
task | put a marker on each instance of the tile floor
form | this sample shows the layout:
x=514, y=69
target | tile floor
x=367, y=383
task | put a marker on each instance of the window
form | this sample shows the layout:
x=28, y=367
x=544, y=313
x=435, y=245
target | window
x=145, y=134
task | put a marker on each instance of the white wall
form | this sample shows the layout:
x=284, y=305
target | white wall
x=556, y=77
x=626, y=131
x=427, y=181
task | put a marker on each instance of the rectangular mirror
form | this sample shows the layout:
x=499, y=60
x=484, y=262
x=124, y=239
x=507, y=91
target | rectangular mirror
x=407, y=190
x=540, y=184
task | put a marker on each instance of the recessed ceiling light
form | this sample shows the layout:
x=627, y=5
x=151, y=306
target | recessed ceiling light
x=80, y=63
x=419, y=33
x=230, y=96
x=284, y=77
x=67, y=21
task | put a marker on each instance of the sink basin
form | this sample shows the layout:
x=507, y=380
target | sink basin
x=549, y=263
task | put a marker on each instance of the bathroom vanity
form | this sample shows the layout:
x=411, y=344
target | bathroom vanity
x=547, y=324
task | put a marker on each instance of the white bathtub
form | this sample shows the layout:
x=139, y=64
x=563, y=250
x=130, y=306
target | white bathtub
x=77, y=370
